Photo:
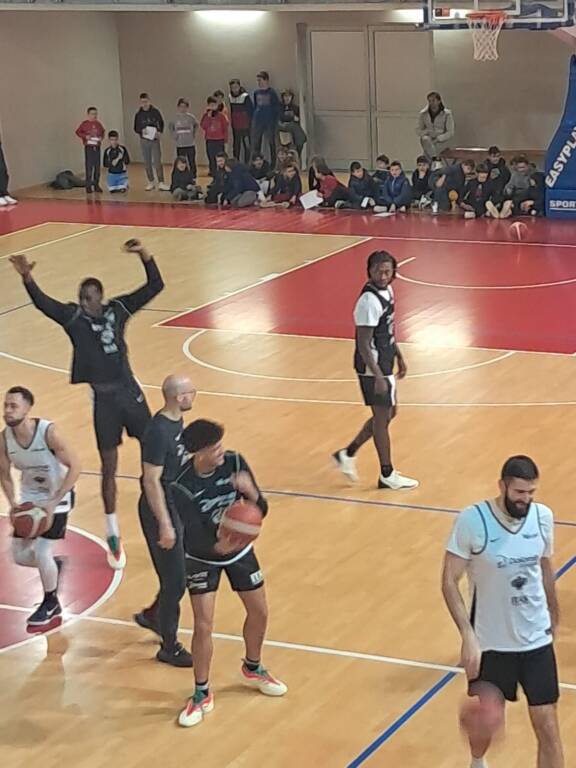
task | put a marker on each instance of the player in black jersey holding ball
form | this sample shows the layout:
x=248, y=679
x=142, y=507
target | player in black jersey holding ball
x=100, y=359
x=211, y=482
x=375, y=358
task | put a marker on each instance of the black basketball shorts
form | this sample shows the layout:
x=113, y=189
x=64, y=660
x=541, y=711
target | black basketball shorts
x=116, y=411
x=60, y=522
x=387, y=400
x=244, y=575
x=535, y=671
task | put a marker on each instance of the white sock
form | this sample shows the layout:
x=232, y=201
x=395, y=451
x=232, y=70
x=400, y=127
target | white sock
x=478, y=762
x=46, y=564
x=112, y=526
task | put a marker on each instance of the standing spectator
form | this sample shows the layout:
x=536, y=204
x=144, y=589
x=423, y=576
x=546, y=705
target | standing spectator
x=183, y=129
x=421, y=182
x=289, y=123
x=361, y=187
x=241, y=109
x=91, y=132
x=116, y=160
x=183, y=184
x=219, y=96
x=435, y=126
x=265, y=117
x=397, y=192
x=215, y=127
x=240, y=188
x=149, y=125
x=499, y=173
x=5, y=198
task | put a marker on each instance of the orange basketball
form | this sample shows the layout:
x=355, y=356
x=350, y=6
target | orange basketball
x=243, y=518
x=518, y=231
x=30, y=521
x=482, y=717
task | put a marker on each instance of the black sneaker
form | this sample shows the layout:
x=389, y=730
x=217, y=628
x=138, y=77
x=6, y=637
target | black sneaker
x=89, y=190
x=147, y=620
x=47, y=616
x=177, y=656
x=98, y=188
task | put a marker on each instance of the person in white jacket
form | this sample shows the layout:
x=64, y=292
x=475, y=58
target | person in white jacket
x=435, y=126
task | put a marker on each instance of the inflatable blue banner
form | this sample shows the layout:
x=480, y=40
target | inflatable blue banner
x=561, y=159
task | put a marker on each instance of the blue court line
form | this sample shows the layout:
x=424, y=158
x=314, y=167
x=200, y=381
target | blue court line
x=350, y=500
x=425, y=698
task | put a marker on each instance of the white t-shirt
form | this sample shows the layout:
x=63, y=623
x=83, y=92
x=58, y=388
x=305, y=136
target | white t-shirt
x=509, y=606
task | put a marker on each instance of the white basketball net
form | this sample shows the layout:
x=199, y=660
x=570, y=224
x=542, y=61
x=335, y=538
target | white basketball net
x=485, y=28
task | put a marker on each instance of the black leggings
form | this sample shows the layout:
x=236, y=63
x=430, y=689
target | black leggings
x=170, y=566
x=4, y=178
x=92, y=162
x=242, y=142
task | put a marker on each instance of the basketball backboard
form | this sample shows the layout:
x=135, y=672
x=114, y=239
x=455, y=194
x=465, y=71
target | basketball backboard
x=522, y=14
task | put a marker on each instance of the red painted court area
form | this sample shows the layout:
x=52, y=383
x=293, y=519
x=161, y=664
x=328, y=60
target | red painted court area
x=86, y=578
x=505, y=296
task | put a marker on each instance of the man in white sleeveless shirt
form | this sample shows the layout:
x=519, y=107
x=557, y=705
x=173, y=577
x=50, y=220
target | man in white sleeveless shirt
x=505, y=546
x=49, y=470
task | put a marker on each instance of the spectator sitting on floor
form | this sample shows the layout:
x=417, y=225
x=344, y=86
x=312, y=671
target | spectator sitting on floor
x=421, y=183
x=440, y=193
x=116, y=161
x=183, y=185
x=499, y=173
x=458, y=175
x=240, y=188
x=477, y=194
x=380, y=176
x=215, y=190
x=281, y=158
x=313, y=180
x=287, y=188
x=435, y=126
x=361, y=187
x=333, y=193
x=397, y=193
x=262, y=172
x=518, y=190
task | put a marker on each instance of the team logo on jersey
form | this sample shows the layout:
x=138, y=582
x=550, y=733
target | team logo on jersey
x=504, y=562
x=519, y=582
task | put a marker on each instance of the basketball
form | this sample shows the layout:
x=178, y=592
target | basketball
x=518, y=231
x=482, y=717
x=30, y=521
x=243, y=518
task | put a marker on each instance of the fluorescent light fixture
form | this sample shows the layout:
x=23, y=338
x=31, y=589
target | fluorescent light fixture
x=407, y=16
x=231, y=17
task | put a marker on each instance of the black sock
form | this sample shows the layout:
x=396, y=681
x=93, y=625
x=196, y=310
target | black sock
x=386, y=470
x=204, y=688
x=51, y=597
x=352, y=449
x=251, y=665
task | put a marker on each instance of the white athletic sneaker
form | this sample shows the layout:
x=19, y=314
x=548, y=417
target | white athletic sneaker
x=163, y=187
x=10, y=200
x=435, y=208
x=380, y=209
x=492, y=210
x=3, y=202
x=150, y=186
x=506, y=211
x=396, y=482
x=346, y=464
x=469, y=215
x=263, y=681
x=116, y=556
x=195, y=709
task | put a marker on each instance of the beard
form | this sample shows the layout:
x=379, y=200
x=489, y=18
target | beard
x=13, y=422
x=516, y=509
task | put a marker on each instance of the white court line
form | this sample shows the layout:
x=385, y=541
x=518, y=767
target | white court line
x=259, y=281
x=317, y=649
x=69, y=618
x=568, y=281
x=27, y=229
x=56, y=240
x=240, y=396
x=187, y=352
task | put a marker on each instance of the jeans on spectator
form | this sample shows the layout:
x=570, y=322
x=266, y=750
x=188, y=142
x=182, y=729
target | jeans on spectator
x=241, y=143
x=169, y=565
x=213, y=148
x=267, y=132
x=190, y=154
x=152, y=156
x=92, y=165
x=244, y=200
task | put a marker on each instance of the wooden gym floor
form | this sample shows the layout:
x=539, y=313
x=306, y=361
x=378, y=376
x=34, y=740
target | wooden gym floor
x=257, y=309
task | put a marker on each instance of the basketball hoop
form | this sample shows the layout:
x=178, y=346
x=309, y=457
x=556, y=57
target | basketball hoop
x=485, y=27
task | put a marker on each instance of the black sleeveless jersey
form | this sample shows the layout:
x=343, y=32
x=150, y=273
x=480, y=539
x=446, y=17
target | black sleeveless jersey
x=383, y=342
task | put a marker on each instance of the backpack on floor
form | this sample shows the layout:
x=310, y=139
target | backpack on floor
x=66, y=180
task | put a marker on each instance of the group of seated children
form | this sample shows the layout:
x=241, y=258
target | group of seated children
x=488, y=189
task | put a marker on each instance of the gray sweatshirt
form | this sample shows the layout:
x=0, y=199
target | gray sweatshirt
x=183, y=129
x=441, y=128
x=519, y=182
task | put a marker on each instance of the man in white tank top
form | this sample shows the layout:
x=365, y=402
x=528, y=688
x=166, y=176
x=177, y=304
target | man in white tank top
x=49, y=470
x=505, y=547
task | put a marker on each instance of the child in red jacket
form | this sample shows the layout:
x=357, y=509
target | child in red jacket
x=215, y=126
x=91, y=131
